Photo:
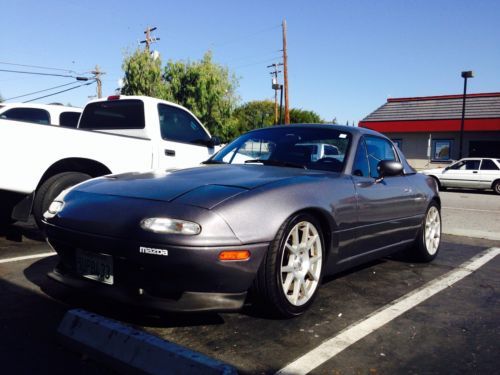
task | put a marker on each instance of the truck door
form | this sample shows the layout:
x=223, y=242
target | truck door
x=185, y=142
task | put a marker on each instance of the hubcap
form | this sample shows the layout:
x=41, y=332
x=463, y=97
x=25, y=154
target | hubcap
x=301, y=263
x=432, y=232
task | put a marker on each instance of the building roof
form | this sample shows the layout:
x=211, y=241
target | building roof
x=436, y=113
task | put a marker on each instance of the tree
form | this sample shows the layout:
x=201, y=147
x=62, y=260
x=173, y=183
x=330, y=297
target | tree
x=252, y=115
x=205, y=88
x=143, y=75
x=300, y=116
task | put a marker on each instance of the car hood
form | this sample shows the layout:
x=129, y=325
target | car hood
x=203, y=186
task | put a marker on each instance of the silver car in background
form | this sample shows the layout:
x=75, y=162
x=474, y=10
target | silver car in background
x=470, y=173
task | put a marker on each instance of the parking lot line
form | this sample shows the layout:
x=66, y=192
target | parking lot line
x=469, y=209
x=34, y=256
x=384, y=315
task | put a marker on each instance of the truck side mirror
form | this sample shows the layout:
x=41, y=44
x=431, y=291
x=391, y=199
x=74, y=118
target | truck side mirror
x=214, y=141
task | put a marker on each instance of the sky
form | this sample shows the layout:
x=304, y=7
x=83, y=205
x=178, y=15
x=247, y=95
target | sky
x=345, y=57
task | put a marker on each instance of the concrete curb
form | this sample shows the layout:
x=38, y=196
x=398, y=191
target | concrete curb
x=132, y=351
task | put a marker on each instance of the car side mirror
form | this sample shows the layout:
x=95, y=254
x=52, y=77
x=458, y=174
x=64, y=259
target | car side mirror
x=214, y=141
x=388, y=168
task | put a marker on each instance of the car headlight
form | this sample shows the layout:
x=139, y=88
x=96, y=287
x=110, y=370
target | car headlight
x=57, y=205
x=171, y=226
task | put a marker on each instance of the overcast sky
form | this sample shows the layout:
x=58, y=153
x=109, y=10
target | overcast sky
x=345, y=57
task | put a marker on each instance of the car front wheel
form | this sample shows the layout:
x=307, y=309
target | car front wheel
x=290, y=275
x=428, y=241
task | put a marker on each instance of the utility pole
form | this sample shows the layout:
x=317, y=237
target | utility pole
x=285, y=75
x=149, y=40
x=276, y=86
x=97, y=76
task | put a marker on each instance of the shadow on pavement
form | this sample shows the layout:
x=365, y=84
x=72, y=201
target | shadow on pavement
x=18, y=231
x=29, y=342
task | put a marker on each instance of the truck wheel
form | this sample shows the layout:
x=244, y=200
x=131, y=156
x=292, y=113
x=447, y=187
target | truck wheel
x=51, y=189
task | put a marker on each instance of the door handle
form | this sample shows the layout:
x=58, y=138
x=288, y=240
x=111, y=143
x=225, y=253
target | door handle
x=169, y=152
x=407, y=190
x=474, y=172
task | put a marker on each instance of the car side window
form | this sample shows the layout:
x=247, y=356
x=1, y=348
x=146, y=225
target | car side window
x=178, y=125
x=69, y=119
x=489, y=165
x=378, y=149
x=467, y=165
x=360, y=167
x=36, y=115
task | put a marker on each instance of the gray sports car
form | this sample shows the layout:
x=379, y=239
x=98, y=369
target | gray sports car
x=272, y=212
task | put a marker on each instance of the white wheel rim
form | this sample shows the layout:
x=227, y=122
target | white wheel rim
x=301, y=263
x=432, y=232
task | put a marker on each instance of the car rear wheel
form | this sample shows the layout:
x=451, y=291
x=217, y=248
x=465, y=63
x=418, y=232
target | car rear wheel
x=496, y=187
x=428, y=241
x=290, y=275
x=51, y=188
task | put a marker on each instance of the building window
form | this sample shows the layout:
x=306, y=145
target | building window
x=399, y=143
x=441, y=149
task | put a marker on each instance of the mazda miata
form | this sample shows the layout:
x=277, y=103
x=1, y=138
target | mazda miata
x=272, y=212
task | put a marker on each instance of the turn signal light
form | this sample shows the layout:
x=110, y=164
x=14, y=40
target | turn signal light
x=234, y=255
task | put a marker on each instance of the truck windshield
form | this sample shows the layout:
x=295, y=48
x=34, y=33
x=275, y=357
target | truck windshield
x=113, y=114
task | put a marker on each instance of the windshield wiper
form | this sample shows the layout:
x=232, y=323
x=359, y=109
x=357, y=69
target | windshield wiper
x=213, y=161
x=276, y=163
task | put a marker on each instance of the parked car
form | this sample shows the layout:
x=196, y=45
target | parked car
x=114, y=135
x=44, y=114
x=199, y=239
x=470, y=173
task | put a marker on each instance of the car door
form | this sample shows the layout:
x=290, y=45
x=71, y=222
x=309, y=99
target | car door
x=462, y=174
x=489, y=171
x=385, y=207
x=185, y=142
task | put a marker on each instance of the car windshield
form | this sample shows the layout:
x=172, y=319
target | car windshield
x=300, y=147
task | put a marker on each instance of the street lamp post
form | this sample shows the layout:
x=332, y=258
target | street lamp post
x=465, y=75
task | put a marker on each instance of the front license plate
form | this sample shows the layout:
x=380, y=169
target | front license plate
x=98, y=267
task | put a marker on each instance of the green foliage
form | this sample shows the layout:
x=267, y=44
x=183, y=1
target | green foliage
x=253, y=115
x=300, y=116
x=205, y=88
x=143, y=75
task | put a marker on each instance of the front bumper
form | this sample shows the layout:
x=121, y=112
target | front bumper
x=188, y=279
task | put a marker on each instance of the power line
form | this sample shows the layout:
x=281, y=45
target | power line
x=45, y=74
x=37, y=67
x=245, y=36
x=59, y=92
x=37, y=92
x=257, y=62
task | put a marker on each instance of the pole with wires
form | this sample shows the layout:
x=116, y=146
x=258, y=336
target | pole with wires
x=97, y=76
x=276, y=87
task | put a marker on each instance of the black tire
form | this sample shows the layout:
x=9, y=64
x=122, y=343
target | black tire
x=268, y=283
x=51, y=188
x=496, y=187
x=423, y=250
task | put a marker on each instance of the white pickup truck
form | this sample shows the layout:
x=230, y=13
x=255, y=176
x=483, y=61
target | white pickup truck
x=114, y=135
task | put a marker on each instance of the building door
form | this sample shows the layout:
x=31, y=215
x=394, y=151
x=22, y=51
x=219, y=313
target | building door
x=484, y=149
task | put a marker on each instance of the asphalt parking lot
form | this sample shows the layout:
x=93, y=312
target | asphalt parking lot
x=456, y=330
